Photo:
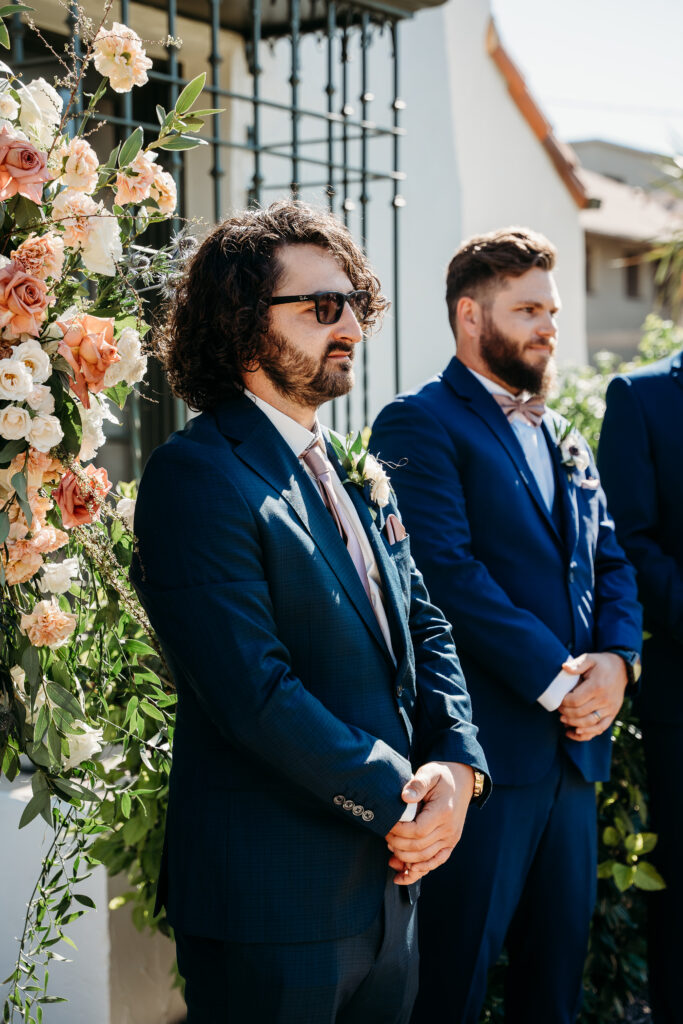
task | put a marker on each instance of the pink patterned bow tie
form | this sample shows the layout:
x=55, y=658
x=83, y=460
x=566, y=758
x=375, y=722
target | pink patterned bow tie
x=530, y=409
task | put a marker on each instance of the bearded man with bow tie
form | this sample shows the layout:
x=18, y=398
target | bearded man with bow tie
x=320, y=697
x=508, y=523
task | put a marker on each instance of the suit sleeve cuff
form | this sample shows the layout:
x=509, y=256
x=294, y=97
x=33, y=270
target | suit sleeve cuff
x=552, y=697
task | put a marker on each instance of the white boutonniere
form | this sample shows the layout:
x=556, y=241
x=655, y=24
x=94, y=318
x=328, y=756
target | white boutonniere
x=362, y=468
x=574, y=456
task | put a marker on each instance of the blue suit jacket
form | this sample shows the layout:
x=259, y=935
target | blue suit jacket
x=295, y=730
x=520, y=593
x=641, y=463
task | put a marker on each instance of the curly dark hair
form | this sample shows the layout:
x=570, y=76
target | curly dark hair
x=486, y=260
x=216, y=325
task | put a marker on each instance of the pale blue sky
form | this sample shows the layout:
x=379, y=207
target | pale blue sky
x=609, y=69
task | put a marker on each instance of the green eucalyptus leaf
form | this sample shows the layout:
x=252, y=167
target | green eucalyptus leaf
x=190, y=93
x=30, y=662
x=10, y=449
x=41, y=725
x=161, y=114
x=131, y=147
x=182, y=142
x=14, y=9
x=4, y=527
x=138, y=647
x=65, y=700
x=648, y=878
x=36, y=805
x=4, y=36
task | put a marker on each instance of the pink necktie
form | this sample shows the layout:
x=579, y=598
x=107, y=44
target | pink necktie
x=319, y=465
x=530, y=409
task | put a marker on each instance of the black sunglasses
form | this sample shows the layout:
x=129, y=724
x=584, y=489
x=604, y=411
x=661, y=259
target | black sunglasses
x=329, y=305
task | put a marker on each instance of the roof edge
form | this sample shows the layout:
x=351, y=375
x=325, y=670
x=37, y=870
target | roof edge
x=534, y=116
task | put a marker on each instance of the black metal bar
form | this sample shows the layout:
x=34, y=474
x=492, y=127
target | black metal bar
x=365, y=98
x=294, y=80
x=398, y=202
x=255, y=71
x=72, y=22
x=347, y=204
x=330, y=90
x=215, y=60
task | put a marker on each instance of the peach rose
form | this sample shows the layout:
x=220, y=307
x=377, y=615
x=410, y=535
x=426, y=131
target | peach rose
x=40, y=506
x=76, y=212
x=81, y=168
x=48, y=625
x=48, y=539
x=23, y=300
x=88, y=346
x=79, y=502
x=164, y=193
x=134, y=182
x=119, y=56
x=41, y=256
x=21, y=562
x=23, y=169
x=41, y=468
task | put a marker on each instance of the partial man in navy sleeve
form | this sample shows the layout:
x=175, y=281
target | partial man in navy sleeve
x=320, y=698
x=641, y=465
x=508, y=523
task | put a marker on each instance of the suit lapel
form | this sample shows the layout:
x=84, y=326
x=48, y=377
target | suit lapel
x=489, y=412
x=391, y=583
x=565, y=488
x=262, y=448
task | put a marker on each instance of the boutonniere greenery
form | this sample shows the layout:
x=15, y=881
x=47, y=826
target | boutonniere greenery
x=573, y=454
x=362, y=468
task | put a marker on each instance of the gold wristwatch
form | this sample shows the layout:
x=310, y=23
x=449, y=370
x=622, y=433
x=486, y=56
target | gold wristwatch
x=479, y=780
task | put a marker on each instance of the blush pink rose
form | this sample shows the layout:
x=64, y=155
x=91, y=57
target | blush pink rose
x=133, y=183
x=23, y=168
x=48, y=625
x=120, y=57
x=23, y=301
x=80, y=501
x=164, y=192
x=22, y=562
x=81, y=168
x=48, y=539
x=89, y=348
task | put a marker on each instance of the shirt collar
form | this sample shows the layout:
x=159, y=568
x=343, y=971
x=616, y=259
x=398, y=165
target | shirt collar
x=297, y=437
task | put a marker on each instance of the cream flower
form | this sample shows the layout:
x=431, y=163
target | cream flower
x=41, y=111
x=134, y=182
x=15, y=423
x=9, y=108
x=34, y=359
x=81, y=169
x=380, y=489
x=41, y=399
x=41, y=256
x=119, y=56
x=103, y=249
x=58, y=576
x=164, y=192
x=83, y=746
x=132, y=366
x=48, y=625
x=46, y=432
x=76, y=212
x=16, y=382
x=126, y=509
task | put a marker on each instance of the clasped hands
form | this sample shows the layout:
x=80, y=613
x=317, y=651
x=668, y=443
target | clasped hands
x=444, y=790
x=591, y=707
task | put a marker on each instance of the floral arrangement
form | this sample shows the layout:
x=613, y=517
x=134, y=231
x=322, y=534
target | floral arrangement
x=362, y=468
x=84, y=696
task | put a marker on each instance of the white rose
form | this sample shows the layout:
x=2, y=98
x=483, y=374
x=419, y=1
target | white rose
x=36, y=361
x=15, y=423
x=11, y=129
x=16, y=382
x=380, y=490
x=41, y=399
x=57, y=576
x=132, y=365
x=41, y=111
x=83, y=747
x=9, y=108
x=574, y=453
x=46, y=432
x=126, y=509
x=91, y=421
x=102, y=249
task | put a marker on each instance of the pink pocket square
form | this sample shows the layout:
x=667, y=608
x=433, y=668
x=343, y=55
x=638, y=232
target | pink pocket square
x=395, y=529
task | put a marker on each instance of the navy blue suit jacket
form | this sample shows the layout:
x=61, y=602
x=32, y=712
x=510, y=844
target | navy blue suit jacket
x=295, y=730
x=641, y=464
x=523, y=589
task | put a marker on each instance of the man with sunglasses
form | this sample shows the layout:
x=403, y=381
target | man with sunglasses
x=313, y=674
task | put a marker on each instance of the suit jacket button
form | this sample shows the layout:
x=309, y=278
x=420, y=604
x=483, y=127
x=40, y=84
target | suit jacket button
x=358, y=809
x=367, y=815
x=348, y=805
x=339, y=800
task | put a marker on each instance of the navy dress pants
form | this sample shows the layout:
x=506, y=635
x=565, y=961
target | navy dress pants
x=369, y=978
x=663, y=745
x=524, y=876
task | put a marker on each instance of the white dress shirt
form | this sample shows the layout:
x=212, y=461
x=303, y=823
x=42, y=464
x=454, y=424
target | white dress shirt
x=535, y=448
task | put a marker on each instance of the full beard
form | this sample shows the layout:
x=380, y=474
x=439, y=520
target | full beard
x=502, y=357
x=301, y=378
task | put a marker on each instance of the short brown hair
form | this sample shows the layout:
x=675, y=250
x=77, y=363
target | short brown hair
x=217, y=322
x=483, y=262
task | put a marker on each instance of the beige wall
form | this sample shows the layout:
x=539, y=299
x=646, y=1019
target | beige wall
x=614, y=320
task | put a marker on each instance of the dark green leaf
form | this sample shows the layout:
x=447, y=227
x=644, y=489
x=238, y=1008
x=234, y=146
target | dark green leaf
x=65, y=700
x=4, y=527
x=190, y=93
x=10, y=449
x=85, y=901
x=208, y=112
x=151, y=711
x=119, y=393
x=74, y=789
x=161, y=114
x=138, y=647
x=30, y=662
x=41, y=724
x=647, y=877
x=4, y=36
x=35, y=806
x=54, y=743
x=13, y=9
x=131, y=147
x=182, y=142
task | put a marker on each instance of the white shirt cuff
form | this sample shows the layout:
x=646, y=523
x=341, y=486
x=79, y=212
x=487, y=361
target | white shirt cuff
x=563, y=682
x=409, y=813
